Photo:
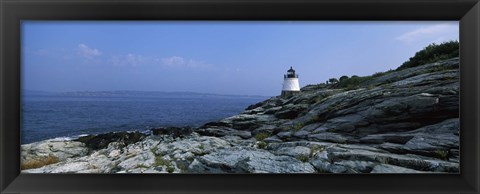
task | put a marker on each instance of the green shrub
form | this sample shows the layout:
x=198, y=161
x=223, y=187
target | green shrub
x=159, y=161
x=433, y=53
x=378, y=74
x=333, y=80
x=170, y=169
x=261, y=136
x=303, y=158
x=343, y=78
x=262, y=145
x=442, y=154
x=351, y=82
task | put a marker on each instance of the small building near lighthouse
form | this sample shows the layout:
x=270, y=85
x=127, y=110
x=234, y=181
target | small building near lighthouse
x=290, y=84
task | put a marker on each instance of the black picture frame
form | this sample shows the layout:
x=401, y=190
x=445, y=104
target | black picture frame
x=12, y=12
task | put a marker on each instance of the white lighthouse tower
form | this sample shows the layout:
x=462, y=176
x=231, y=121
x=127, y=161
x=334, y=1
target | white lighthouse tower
x=290, y=84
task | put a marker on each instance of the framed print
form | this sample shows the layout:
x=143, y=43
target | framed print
x=239, y=96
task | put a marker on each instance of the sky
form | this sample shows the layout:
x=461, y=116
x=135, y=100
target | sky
x=241, y=58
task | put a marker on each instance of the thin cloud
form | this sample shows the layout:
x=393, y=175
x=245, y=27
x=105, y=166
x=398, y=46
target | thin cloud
x=438, y=32
x=134, y=60
x=88, y=52
x=176, y=61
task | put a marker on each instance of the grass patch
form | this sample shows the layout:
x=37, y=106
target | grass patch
x=334, y=107
x=387, y=86
x=285, y=128
x=261, y=136
x=159, y=161
x=37, y=163
x=182, y=166
x=315, y=149
x=378, y=74
x=297, y=127
x=154, y=150
x=314, y=119
x=170, y=169
x=317, y=99
x=142, y=166
x=442, y=154
x=262, y=145
x=303, y=158
x=351, y=87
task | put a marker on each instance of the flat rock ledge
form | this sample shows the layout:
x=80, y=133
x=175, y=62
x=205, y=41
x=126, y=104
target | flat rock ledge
x=194, y=153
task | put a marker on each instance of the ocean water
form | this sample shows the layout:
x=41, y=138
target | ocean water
x=46, y=117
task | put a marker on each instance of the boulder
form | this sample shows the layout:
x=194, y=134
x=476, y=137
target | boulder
x=142, y=160
x=48, y=152
x=296, y=152
x=248, y=160
x=62, y=149
x=386, y=168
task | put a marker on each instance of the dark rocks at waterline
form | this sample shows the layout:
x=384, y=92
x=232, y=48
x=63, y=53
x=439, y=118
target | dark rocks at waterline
x=100, y=141
x=172, y=131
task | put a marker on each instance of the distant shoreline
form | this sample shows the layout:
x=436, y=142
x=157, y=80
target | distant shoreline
x=133, y=93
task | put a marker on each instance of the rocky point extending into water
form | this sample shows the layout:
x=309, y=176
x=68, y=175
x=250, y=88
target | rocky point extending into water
x=405, y=121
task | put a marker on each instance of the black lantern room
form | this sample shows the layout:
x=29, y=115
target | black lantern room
x=291, y=73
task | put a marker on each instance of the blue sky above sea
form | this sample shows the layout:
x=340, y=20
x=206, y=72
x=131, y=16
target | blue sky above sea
x=242, y=58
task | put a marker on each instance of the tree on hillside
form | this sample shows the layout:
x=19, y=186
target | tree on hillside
x=343, y=78
x=433, y=53
x=333, y=80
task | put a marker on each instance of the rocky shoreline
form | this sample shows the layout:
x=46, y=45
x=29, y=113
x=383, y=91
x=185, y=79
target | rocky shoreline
x=404, y=121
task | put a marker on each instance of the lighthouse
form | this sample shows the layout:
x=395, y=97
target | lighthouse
x=290, y=84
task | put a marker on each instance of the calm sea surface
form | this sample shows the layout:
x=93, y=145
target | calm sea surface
x=45, y=117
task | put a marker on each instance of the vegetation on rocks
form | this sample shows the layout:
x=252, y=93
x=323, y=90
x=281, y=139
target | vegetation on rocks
x=433, y=53
x=400, y=121
x=261, y=136
x=430, y=54
x=39, y=162
x=95, y=142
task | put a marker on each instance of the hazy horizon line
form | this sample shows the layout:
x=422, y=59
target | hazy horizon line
x=159, y=91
